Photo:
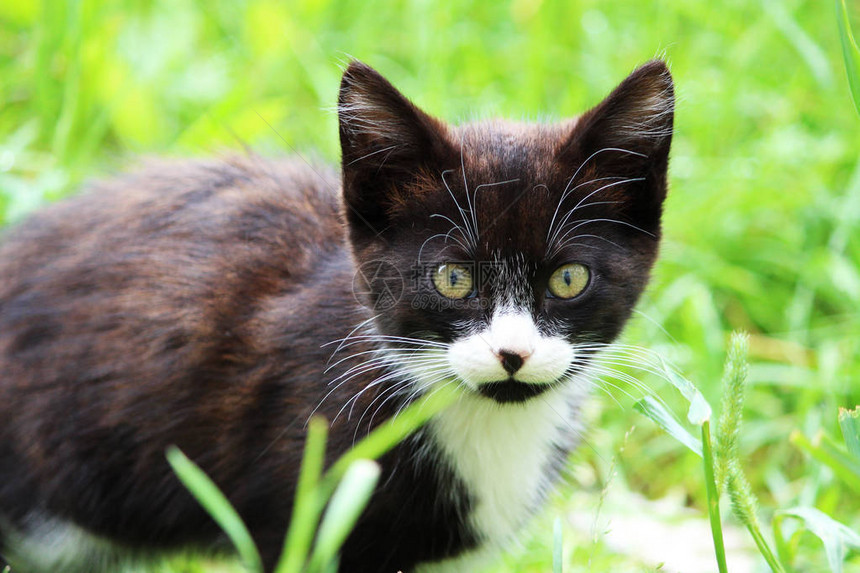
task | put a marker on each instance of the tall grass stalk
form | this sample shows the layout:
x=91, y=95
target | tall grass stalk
x=730, y=473
x=745, y=509
x=711, y=483
x=732, y=404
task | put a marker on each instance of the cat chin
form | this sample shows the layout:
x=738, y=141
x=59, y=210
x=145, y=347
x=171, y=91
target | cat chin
x=511, y=391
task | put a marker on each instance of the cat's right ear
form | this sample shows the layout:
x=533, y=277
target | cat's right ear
x=385, y=141
x=636, y=119
x=628, y=136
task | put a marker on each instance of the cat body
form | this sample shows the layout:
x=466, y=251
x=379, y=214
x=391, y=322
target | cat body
x=217, y=306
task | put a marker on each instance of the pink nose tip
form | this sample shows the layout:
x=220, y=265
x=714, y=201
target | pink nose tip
x=511, y=361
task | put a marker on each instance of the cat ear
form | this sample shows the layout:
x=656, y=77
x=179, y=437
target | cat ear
x=385, y=142
x=629, y=133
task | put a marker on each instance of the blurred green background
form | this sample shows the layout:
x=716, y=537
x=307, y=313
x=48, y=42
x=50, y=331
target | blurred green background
x=761, y=227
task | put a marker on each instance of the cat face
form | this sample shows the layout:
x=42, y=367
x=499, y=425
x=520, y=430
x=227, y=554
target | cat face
x=521, y=248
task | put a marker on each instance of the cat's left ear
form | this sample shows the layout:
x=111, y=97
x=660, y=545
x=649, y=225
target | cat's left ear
x=629, y=133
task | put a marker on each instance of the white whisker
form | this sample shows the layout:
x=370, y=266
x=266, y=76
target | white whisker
x=582, y=222
x=468, y=200
x=573, y=178
x=567, y=216
x=351, y=332
x=571, y=241
x=471, y=239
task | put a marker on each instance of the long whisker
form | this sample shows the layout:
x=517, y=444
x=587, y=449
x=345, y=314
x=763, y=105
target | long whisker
x=345, y=338
x=390, y=338
x=580, y=223
x=567, y=216
x=378, y=362
x=436, y=365
x=414, y=394
x=655, y=323
x=392, y=392
x=390, y=351
x=445, y=236
x=576, y=173
x=600, y=382
x=468, y=200
x=606, y=357
x=474, y=204
x=469, y=234
x=415, y=355
x=565, y=195
x=622, y=181
x=572, y=240
x=381, y=361
x=455, y=227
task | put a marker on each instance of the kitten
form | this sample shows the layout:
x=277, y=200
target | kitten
x=196, y=303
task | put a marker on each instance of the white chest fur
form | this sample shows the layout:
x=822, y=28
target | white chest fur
x=503, y=454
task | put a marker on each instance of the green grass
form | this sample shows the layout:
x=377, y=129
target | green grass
x=761, y=226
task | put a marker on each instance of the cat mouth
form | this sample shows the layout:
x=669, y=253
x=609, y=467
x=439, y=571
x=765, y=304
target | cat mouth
x=512, y=392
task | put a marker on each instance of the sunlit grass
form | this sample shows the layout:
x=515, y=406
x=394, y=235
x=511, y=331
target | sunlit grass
x=760, y=226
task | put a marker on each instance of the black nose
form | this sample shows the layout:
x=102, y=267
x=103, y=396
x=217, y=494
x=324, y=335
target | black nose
x=510, y=362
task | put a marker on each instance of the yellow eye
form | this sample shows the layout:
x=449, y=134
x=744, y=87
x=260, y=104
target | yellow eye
x=568, y=280
x=452, y=280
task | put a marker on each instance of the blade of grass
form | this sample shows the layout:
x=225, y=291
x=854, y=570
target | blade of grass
x=785, y=549
x=666, y=420
x=349, y=500
x=308, y=505
x=835, y=536
x=217, y=505
x=713, y=498
x=700, y=410
x=699, y=413
x=811, y=53
x=382, y=439
x=850, y=52
x=64, y=130
x=825, y=451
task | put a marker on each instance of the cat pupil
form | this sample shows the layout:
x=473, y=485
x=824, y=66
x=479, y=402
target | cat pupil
x=567, y=278
x=453, y=278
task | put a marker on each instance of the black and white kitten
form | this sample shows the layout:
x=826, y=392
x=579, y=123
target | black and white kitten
x=195, y=303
